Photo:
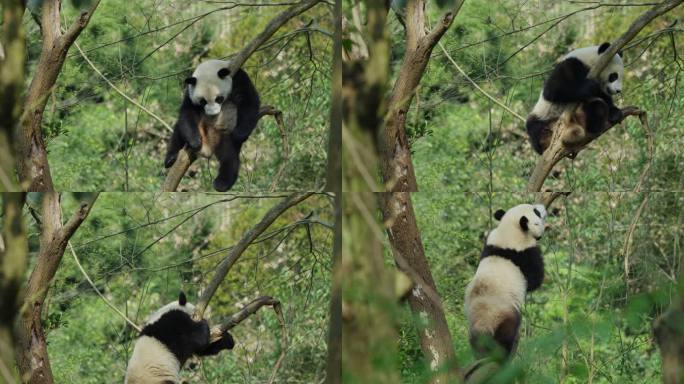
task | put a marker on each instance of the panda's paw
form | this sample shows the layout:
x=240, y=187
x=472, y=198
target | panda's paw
x=615, y=115
x=227, y=341
x=222, y=185
x=170, y=159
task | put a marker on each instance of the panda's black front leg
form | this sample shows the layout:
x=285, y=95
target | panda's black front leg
x=228, y=155
x=225, y=342
x=189, y=130
x=175, y=144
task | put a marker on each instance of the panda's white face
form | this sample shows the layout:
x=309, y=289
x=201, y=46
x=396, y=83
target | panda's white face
x=210, y=85
x=181, y=304
x=611, y=77
x=520, y=227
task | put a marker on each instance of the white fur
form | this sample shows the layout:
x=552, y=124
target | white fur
x=589, y=56
x=209, y=85
x=187, y=308
x=506, y=291
x=151, y=362
x=509, y=234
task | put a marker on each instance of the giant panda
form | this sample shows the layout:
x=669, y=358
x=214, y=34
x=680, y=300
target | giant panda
x=510, y=265
x=568, y=84
x=170, y=336
x=218, y=113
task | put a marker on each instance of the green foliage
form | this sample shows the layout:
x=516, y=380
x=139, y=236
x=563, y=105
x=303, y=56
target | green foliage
x=140, y=249
x=99, y=141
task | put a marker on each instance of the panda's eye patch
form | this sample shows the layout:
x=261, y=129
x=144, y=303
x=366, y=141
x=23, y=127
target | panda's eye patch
x=219, y=99
x=203, y=101
x=612, y=77
x=536, y=212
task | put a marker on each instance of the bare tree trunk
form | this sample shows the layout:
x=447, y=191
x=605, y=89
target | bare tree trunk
x=33, y=166
x=395, y=155
x=13, y=41
x=32, y=357
x=669, y=332
x=13, y=256
x=407, y=248
x=334, y=184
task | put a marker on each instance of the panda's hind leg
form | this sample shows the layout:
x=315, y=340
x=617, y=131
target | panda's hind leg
x=597, y=114
x=506, y=334
x=538, y=133
x=228, y=155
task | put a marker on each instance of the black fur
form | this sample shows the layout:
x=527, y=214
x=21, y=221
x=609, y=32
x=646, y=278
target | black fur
x=536, y=129
x=182, y=335
x=506, y=334
x=523, y=223
x=186, y=131
x=529, y=261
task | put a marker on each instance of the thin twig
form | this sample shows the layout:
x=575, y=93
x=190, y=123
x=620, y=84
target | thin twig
x=114, y=87
x=78, y=263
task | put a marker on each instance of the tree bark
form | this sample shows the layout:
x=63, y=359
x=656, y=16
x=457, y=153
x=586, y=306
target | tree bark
x=13, y=42
x=669, y=332
x=33, y=167
x=13, y=256
x=395, y=154
x=32, y=357
x=425, y=303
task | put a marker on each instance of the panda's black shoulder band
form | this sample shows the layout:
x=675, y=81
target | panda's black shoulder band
x=529, y=261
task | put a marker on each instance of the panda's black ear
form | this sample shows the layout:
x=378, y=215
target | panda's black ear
x=223, y=72
x=620, y=53
x=182, y=300
x=499, y=214
x=523, y=223
x=191, y=81
x=603, y=47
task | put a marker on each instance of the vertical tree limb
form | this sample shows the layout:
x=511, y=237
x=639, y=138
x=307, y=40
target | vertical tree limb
x=13, y=258
x=33, y=166
x=32, y=358
x=407, y=248
x=669, y=332
x=235, y=252
x=185, y=159
x=396, y=164
x=13, y=41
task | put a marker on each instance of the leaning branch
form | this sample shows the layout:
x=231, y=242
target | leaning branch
x=248, y=310
x=242, y=245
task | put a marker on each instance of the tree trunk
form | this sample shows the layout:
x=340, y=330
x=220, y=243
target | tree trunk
x=395, y=154
x=13, y=256
x=33, y=167
x=409, y=255
x=669, y=332
x=13, y=43
x=32, y=357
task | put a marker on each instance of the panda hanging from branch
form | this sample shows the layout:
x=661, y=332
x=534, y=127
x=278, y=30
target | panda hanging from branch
x=219, y=111
x=569, y=85
x=169, y=337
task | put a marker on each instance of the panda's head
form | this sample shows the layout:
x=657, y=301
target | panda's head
x=519, y=228
x=611, y=77
x=210, y=85
x=180, y=305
